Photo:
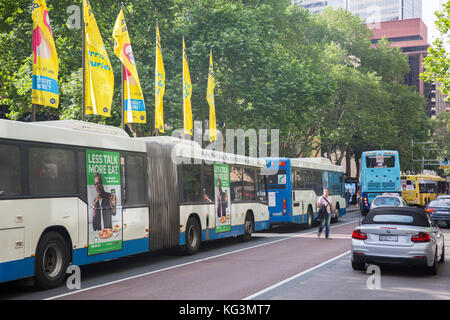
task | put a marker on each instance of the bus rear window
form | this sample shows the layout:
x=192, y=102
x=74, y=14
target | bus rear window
x=380, y=161
x=278, y=178
x=10, y=182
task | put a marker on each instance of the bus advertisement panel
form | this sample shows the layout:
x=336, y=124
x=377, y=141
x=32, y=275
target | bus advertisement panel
x=104, y=199
x=222, y=197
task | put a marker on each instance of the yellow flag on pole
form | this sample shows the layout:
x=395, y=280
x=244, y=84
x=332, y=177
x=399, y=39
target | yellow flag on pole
x=134, y=103
x=210, y=99
x=99, y=77
x=160, y=84
x=45, y=89
x=187, y=94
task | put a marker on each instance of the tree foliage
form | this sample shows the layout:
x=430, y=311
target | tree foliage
x=437, y=62
x=316, y=78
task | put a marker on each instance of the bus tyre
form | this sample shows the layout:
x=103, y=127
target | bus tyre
x=310, y=218
x=192, y=236
x=52, y=260
x=248, y=228
x=336, y=213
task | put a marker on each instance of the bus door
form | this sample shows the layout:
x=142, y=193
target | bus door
x=298, y=205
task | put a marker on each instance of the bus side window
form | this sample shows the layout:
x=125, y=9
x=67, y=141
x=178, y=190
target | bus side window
x=192, y=183
x=208, y=184
x=10, y=173
x=262, y=194
x=318, y=182
x=82, y=184
x=135, y=181
x=299, y=179
x=236, y=175
x=309, y=183
x=249, y=184
x=52, y=171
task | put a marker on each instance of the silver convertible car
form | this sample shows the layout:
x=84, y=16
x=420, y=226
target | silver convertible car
x=398, y=235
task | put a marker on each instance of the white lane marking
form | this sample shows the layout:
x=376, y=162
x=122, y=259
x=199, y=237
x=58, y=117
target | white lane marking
x=295, y=276
x=294, y=235
x=188, y=263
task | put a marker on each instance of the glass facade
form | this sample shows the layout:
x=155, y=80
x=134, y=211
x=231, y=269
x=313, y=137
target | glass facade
x=369, y=10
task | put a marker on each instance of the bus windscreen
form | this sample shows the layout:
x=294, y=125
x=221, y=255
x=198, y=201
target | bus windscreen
x=380, y=161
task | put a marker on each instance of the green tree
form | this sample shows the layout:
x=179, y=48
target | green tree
x=437, y=62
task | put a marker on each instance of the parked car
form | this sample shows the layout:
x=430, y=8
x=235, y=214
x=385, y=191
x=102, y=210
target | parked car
x=388, y=200
x=398, y=235
x=444, y=196
x=440, y=211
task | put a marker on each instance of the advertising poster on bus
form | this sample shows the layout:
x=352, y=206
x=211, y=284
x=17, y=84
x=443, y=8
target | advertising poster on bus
x=104, y=201
x=222, y=199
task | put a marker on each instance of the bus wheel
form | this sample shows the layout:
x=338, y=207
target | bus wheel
x=52, y=260
x=192, y=236
x=310, y=218
x=248, y=228
x=337, y=211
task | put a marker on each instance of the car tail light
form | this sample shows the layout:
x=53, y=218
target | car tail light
x=429, y=210
x=358, y=235
x=421, y=237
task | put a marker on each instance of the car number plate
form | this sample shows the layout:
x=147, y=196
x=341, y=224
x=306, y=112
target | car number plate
x=389, y=238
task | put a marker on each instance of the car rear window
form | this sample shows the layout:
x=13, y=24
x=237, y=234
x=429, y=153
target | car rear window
x=391, y=218
x=387, y=201
x=398, y=215
x=439, y=203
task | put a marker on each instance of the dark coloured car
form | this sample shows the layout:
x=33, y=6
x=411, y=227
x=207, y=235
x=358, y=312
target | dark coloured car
x=440, y=211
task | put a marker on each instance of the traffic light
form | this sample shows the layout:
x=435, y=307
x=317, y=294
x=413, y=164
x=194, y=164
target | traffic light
x=445, y=161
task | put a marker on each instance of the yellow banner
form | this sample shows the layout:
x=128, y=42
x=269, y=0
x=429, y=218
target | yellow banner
x=134, y=103
x=210, y=99
x=160, y=84
x=45, y=90
x=187, y=94
x=99, y=77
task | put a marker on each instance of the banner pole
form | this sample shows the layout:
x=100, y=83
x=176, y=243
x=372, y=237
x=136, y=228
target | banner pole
x=83, y=59
x=123, y=95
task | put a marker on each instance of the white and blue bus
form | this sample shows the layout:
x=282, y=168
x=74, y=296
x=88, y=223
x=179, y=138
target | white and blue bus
x=78, y=193
x=295, y=186
x=380, y=173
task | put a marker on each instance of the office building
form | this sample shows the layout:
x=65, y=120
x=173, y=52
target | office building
x=369, y=10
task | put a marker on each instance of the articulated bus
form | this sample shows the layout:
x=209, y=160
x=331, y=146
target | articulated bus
x=77, y=193
x=296, y=185
x=380, y=173
x=420, y=189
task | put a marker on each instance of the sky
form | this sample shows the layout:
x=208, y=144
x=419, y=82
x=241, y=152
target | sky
x=428, y=17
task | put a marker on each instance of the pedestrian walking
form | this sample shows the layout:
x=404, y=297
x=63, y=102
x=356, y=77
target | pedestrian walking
x=326, y=209
x=347, y=197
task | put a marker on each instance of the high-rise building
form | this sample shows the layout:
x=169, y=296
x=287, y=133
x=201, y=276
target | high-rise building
x=411, y=37
x=369, y=10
